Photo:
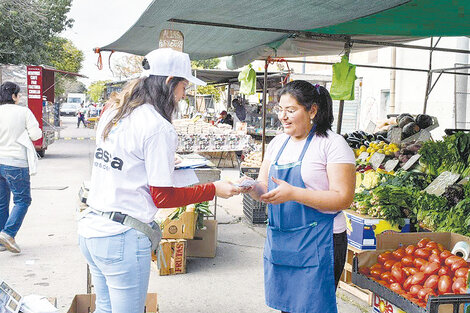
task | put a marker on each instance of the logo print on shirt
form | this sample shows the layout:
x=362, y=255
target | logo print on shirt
x=106, y=157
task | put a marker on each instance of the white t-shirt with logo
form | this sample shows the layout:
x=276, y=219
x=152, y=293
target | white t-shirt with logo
x=139, y=152
x=321, y=152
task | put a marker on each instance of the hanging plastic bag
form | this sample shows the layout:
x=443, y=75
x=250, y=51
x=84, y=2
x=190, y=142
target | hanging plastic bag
x=247, y=79
x=344, y=76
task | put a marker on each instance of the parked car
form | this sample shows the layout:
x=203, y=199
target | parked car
x=69, y=109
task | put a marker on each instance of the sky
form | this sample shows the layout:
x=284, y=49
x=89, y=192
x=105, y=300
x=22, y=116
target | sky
x=98, y=23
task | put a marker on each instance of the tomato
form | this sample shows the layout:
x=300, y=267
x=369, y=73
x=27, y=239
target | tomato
x=418, y=262
x=430, y=293
x=452, y=259
x=418, y=278
x=431, y=268
x=396, y=287
x=444, y=270
x=422, y=253
x=376, y=266
x=423, y=292
x=431, y=245
x=397, y=265
x=407, y=260
x=407, y=284
x=399, y=254
x=376, y=273
x=423, y=242
x=399, y=275
x=445, y=254
x=388, y=264
x=414, y=289
x=435, y=258
x=444, y=285
x=413, y=270
x=459, y=286
x=461, y=272
x=458, y=264
x=364, y=270
x=387, y=255
x=387, y=276
x=410, y=250
x=441, y=247
x=431, y=282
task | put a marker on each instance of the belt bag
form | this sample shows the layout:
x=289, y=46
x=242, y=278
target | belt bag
x=152, y=230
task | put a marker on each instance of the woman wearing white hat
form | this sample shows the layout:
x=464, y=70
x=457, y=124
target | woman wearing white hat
x=133, y=176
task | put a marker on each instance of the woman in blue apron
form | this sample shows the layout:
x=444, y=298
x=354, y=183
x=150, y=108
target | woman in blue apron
x=307, y=178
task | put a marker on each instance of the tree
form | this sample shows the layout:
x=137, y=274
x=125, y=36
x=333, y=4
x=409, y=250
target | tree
x=27, y=26
x=95, y=90
x=128, y=66
x=205, y=64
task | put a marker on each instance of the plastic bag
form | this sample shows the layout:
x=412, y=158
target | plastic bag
x=247, y=79
x=344, y=76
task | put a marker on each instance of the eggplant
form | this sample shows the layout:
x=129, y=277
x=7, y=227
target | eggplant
x=399, y=117
x=405, y=121
x=410, y=129
x=424, y=121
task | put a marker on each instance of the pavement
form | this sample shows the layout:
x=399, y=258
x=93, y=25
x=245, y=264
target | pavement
x=51, y=264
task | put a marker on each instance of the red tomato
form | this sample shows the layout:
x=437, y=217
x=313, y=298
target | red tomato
x=422, y=253
x=459, y=286
x=376, y=266
x=445, y=254
x=407, y=260
x=396, y=287
x=444, y=284
x=399, y=254
x=418, y=278
x=430, y=293
x=435, y=258
x=388, y=264
x=423, y=242
x=364, y=270
x=458, y=264
x=423, y=292
x=418, y=262
x=410, y=250
x=431, y=268
x=407, y=284
x=452, y=259
x=431, y=282
x=399, y=275
x=387, y=276
x=441, y=247
x=414, y=289
x=397, y=265
x=444, y=270
x=413, y=270
x=436, y=251
x=376, y=273
x=431, y=245
x=387, y=255
x=461, y=272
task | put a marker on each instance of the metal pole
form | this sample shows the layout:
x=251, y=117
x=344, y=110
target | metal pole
x=347, y=49
x=265, y=91
x=428, y=85
x=393, y=80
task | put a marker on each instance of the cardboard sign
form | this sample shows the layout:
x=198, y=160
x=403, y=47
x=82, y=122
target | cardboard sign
x=395, y=136
x=411, y=162
x=376, y=159
x=424, y=135
x=438, y=186
x=371, y=127
x=363, y=156
x=390, y=165
x=170, y=38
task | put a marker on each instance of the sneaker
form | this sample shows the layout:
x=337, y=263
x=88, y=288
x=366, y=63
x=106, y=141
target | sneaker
x=2, y=248
x=9, y=243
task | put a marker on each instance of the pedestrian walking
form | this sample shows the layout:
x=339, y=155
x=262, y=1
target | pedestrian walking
x=307, y=178
x=15, y=120
x=81, y=116
x=132, y=176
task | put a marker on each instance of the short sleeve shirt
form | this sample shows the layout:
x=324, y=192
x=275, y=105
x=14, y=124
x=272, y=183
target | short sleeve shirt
x=321, y=152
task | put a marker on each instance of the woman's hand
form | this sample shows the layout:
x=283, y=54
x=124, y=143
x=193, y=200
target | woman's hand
x=225, y=189
x=246, y=184
x=282, y=193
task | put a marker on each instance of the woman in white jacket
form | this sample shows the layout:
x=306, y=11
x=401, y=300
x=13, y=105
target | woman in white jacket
x=14, y=172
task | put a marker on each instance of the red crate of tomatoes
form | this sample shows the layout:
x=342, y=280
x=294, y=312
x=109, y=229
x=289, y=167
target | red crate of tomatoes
x=416, y=271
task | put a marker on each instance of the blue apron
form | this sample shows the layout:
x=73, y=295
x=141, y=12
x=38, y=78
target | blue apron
x=298, y=253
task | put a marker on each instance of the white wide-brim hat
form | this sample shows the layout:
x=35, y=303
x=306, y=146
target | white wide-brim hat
x=169, y=62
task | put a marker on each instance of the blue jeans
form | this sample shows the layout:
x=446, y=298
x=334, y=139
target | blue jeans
x=15, y=180
x=120, y=270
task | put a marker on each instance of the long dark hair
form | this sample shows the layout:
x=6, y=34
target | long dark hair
x=153, y=90
x=308, y=95
x=7, y=90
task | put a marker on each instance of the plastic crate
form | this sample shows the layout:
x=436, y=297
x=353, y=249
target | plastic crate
x=251, y=172
x=406, y=305
x=254, y=211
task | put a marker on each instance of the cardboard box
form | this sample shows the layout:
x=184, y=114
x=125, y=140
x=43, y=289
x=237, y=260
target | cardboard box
x=363, y=230
x=174, y=252
x=86, y=303
x=380, y=305
x=182, y=228
x=204, y=243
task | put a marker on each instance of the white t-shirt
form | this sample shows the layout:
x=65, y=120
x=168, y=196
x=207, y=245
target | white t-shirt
x=139, y=152
x=321, y=151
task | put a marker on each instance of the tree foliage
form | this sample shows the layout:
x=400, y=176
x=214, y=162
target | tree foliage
x=128, y=66
x=205, y=64
x=95, y=90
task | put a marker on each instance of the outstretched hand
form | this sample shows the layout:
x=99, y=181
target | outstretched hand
x=282, y=193
x=225, y=189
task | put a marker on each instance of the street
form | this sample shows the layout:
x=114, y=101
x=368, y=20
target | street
x=51, y=264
